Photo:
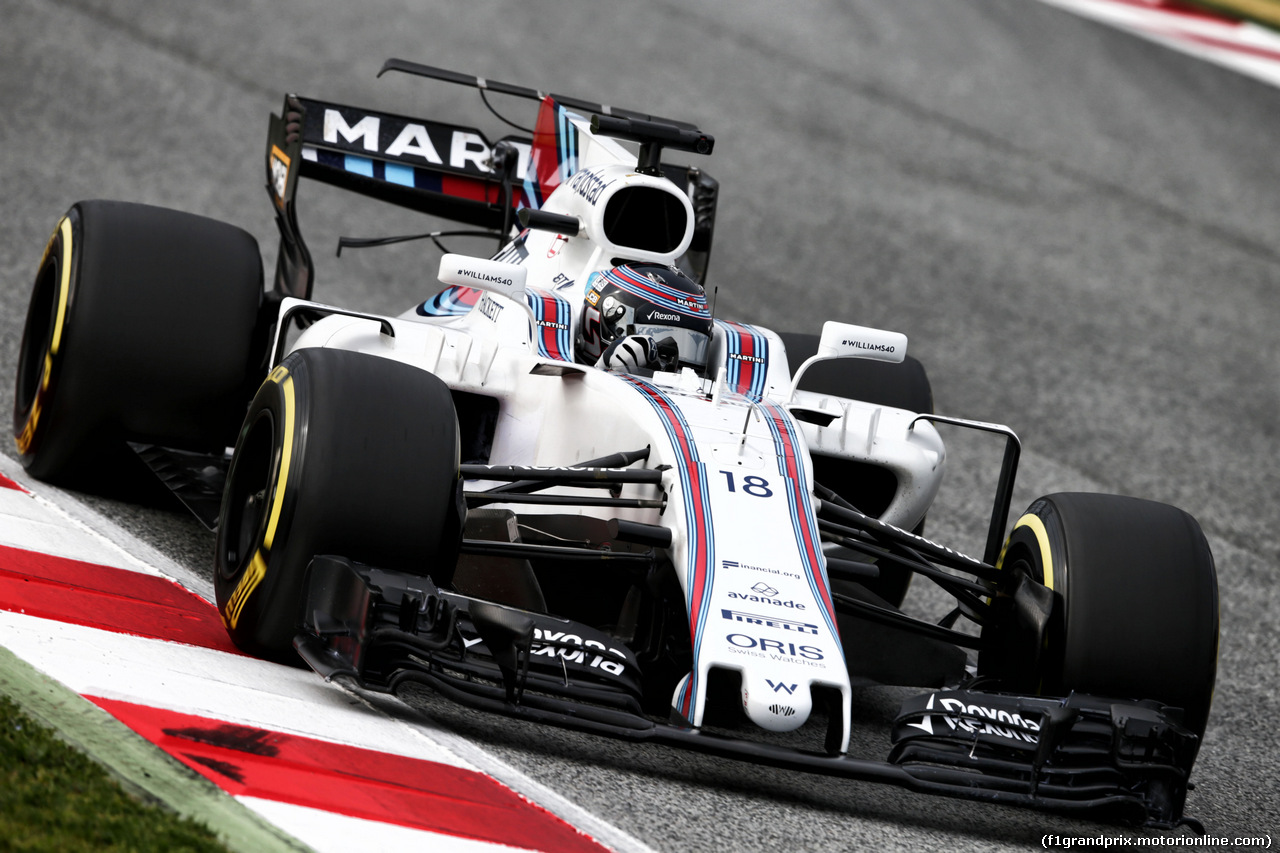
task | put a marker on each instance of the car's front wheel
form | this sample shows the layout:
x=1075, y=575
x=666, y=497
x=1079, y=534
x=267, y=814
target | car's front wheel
x=341, y=453
x=1133, y=611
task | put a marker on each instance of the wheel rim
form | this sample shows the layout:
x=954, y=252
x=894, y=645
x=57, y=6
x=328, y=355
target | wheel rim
x=248, y=486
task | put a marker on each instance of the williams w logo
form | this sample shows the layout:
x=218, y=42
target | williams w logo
x=779, y=687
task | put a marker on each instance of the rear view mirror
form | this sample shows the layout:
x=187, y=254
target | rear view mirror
x=494, y=276
x=845, y=340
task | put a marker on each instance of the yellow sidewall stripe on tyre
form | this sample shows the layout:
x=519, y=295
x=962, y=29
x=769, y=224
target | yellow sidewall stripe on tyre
x=257, y=569
x=64, y=287
x=24, y=438
x=286, y=454
x=1042, y=537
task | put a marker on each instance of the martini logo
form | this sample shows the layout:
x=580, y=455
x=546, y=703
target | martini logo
x=428, y=142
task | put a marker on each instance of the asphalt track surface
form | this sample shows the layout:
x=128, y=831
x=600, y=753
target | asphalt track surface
x=1075, y=228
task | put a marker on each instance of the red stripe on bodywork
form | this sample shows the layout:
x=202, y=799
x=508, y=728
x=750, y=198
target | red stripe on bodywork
x=469, y=188
x=746, y=368
x=810, y=540
x=545, y=154
x=348, y=780
x=698, y=587
x=107, y=598
x=550, y=334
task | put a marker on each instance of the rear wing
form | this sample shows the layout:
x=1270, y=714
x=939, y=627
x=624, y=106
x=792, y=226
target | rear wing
x=450, y=171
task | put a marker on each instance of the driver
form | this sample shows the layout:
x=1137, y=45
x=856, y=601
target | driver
x=644, y=317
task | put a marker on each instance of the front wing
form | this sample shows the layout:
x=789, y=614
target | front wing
x=1116, y=760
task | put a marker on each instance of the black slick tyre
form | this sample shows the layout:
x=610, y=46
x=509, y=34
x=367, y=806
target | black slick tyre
x=341, y=453
x=141, y=327
x=1134, y=611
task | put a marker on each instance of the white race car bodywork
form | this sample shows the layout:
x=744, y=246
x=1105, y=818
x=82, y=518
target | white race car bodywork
x=738, y=471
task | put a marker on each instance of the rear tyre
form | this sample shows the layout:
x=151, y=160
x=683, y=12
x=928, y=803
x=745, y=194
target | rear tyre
x=903, y=385
x=141, y=327
x=1134, y=610
x=341, y=453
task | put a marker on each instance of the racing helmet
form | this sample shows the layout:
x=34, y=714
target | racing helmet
x=646, y=299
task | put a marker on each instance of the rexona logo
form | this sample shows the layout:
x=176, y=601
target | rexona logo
x=769, y=622
x=659, y=315
x=765, y=594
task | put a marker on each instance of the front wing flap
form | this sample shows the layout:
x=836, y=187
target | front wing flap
x=1127, y=756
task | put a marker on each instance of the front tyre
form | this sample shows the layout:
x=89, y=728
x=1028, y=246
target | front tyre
x=1134, y=607
x=341, y=453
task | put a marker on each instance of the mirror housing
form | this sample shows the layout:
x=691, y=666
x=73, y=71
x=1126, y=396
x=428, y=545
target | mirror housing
x=845, y=340
x=493, y=276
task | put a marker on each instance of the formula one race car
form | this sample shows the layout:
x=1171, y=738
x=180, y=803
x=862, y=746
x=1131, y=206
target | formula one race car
x=559, y=489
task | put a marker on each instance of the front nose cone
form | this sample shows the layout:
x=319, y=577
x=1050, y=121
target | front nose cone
x=775, y=704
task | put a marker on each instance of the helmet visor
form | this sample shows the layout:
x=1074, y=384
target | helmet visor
x=692, y=344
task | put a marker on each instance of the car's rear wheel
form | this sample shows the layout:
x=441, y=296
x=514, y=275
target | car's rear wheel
x=341, y=453
x=1134, y=608
x=903, y=385
x=141, y=326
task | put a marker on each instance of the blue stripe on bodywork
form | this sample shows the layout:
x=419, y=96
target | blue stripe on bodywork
x=551, y=312
x=398, y=173
x=803, y=521
x=358, y=165
x=692, y=474
x=736, y=334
